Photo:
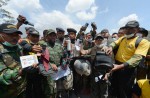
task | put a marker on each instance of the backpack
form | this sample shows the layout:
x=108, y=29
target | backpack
x=103, y=61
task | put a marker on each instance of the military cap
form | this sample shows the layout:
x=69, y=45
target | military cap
x=99, y=37
x=51, y=31
x=132, y=24
x=9, y=28
x=104, y=31
x=71, y=30
x=34, y=32
x=60, y=30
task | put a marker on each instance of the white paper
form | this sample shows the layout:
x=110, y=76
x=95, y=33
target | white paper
x=28, y=60
x=60, y=73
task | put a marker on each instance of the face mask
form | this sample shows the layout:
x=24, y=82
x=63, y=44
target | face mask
x=90, y=40
x=139, y=34
x=9, y=44
x=114, y=39
x=130, y=36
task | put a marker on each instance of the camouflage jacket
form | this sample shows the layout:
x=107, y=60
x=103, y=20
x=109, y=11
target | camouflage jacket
x=11, y=83
x=55, y=53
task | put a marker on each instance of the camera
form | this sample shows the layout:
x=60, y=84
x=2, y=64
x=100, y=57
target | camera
x=83, y=28
x=24, y=21
x=93, y=25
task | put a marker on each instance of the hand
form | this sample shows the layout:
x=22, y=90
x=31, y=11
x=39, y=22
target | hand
x=109, y=51
x=39, y=54
x=20, y=72
x=36, y=48
x=35, y=65
x=106, y=76
x=64, y=67
x=54, y=67
x=104, y=48
x=117, y=67
x=21, y=19
x=65, y=43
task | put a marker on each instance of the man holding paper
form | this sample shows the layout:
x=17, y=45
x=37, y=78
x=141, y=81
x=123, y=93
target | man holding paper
x=55, y=52
x=12, y=81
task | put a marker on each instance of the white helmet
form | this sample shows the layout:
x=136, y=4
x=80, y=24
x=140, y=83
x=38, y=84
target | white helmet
x=68, y=81
x=82, y=67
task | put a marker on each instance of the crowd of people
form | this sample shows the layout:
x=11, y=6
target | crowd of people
x=100, y=65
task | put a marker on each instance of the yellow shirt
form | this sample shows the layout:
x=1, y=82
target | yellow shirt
x=145, y=88
x=127, y=48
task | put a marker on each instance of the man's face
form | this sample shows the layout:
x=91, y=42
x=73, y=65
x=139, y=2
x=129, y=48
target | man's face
x=98, y=42
x=115, y=36
x=51, y=37
x=60, y=35
x=88, y=36
x=105, y=34
x=34, y=38
x=121, y=33
x=72, y=35
x=11, y=38
x=131, y=31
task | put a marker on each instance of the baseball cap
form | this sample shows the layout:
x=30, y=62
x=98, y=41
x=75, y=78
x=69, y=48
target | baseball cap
x=34, y=32
x=9, y=28
x=51, y=31
x=132, y=24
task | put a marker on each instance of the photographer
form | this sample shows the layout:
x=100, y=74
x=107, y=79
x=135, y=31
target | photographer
x=81, y=32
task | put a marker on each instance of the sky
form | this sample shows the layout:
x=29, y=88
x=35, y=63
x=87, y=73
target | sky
x=110, y=14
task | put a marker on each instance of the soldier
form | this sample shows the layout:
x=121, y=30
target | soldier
x=131, y=51
x=60, y=35
x=72, y=34
x=34, y=79
x=55, y=53
x=12, y=81
x=44, y=37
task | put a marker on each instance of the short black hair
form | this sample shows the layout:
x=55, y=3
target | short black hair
x=122, y=28
x=115, y=33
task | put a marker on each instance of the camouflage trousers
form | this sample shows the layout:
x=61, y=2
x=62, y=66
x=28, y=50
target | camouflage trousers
x=49, y=87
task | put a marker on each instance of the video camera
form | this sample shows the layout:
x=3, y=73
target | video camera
x=93, y=24
x=84, y=27
x=24, y=20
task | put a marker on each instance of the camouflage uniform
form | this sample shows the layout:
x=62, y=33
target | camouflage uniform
x=12, y=85
x=59, y=41
x=55, y=56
